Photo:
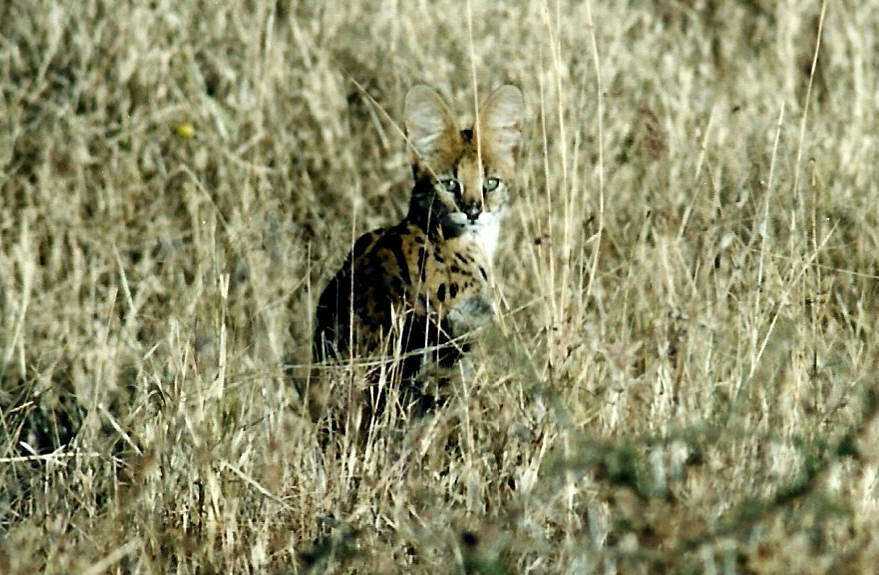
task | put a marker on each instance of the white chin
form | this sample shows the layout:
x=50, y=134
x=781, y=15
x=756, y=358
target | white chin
x=487, y=230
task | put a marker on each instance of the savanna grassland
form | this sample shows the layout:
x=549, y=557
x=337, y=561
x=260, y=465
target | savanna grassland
x=683, y=374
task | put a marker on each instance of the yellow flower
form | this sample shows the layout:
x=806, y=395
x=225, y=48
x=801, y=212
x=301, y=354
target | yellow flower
x=185, y=130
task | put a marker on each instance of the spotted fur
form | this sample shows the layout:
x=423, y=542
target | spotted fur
x=416, y=286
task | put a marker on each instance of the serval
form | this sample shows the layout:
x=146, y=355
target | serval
x=414, y=290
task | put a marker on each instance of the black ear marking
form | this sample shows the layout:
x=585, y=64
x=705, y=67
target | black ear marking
x=467, y=134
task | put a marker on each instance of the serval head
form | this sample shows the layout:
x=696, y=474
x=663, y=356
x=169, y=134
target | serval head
x=462, y=177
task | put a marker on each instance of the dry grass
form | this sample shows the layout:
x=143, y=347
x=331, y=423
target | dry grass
x=683, y=377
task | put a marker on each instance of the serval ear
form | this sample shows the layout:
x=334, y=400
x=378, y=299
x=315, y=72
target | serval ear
x=499, y=123
x=430, y=125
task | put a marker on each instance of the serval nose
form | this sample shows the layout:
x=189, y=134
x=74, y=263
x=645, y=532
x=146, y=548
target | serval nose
x=473, y=210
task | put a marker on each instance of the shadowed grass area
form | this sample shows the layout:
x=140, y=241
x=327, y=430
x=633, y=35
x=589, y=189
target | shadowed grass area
x=682, y=376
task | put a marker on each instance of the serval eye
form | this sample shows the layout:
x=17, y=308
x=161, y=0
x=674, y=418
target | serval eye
x=451, y=185
x=491, y=183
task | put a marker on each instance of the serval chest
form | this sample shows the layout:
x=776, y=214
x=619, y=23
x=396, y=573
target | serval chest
x=406, y=291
